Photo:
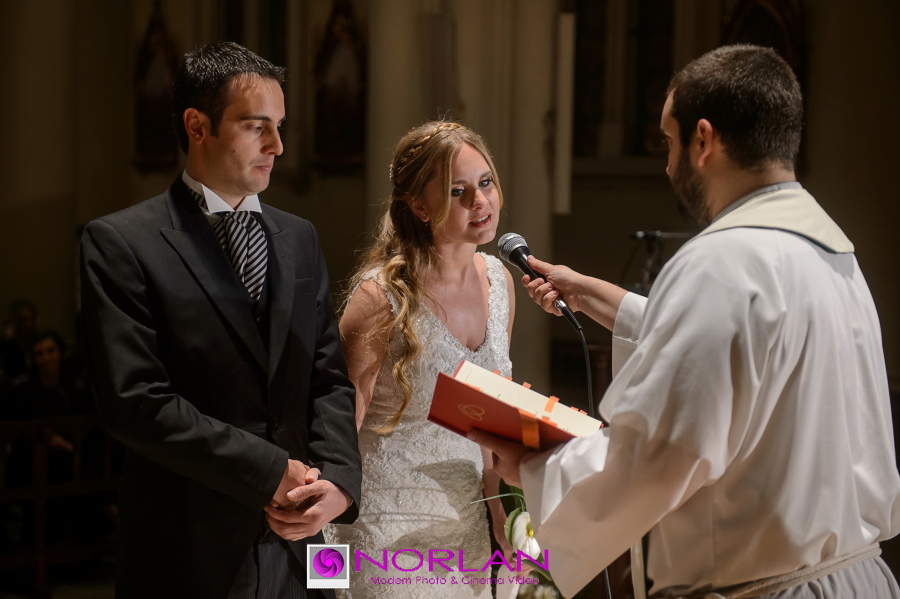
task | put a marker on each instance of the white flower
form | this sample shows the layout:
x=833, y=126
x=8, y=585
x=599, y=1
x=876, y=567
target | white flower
x=545, y=592
x=521, y=534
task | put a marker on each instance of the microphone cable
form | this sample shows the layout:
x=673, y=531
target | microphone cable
x=590, y=391
x=514, y=250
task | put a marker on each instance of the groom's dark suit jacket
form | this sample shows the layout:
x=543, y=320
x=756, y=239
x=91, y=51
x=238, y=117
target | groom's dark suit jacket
x=209, y=396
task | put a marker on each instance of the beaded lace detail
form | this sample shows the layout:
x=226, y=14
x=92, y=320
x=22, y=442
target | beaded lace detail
x=419, y=480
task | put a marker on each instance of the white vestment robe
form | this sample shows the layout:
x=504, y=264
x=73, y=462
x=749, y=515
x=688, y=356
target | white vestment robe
x=750, y=425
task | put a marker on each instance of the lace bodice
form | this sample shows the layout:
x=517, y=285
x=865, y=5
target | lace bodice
x=419, y=480
x=441, y=352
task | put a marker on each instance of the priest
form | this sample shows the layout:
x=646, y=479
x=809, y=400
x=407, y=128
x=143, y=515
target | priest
x=750, y=433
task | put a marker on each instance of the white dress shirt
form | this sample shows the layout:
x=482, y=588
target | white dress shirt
x=214, y=203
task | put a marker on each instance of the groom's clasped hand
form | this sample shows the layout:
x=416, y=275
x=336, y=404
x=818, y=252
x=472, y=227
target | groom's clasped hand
x=303, y=504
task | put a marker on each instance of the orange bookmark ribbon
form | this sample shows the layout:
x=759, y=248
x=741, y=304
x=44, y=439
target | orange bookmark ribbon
x=531, y=436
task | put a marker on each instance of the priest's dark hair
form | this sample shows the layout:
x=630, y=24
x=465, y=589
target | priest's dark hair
x=750, y=95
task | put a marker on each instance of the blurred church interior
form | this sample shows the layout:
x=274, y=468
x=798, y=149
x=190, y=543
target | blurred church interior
x=567, y=94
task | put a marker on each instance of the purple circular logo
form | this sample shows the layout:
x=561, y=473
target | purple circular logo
x=328, y=562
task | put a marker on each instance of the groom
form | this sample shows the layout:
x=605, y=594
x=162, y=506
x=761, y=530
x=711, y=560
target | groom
x=215, y=355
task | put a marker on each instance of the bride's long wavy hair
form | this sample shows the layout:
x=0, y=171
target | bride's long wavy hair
x=404, y=248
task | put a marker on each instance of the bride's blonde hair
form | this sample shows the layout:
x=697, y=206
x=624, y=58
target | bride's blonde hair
x=403, y=249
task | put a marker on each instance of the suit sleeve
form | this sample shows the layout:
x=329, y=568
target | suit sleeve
x=134, y=392
x=333, y=444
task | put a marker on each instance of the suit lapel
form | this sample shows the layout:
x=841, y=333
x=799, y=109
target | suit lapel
x=281, y=290
x=196, y=243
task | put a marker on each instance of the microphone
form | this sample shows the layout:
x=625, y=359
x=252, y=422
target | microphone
x=514, y=250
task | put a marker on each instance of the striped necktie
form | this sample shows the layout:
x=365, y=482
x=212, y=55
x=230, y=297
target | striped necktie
x=244, y=241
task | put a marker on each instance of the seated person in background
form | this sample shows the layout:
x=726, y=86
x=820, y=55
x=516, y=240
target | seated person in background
x=50, y=387
x=17, y=337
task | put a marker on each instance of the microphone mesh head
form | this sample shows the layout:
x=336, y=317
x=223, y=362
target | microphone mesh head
x=508, y=242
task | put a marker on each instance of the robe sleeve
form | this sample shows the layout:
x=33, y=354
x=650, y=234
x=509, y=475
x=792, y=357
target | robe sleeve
x=675, y=422
x=627, y=329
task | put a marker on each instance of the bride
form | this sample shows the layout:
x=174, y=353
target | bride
x=423, y=300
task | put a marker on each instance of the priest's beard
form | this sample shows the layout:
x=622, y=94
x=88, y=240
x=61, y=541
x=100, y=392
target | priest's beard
x=690, y=191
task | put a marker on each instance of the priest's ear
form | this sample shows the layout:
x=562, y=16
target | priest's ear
x=196, y=124
x=705, y=139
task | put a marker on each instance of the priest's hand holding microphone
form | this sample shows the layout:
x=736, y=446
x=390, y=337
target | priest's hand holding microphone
x=514, y=250
x=561, y=291
x=548, y=284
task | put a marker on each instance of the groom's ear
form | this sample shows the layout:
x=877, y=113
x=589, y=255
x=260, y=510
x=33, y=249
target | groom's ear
x=196, y=124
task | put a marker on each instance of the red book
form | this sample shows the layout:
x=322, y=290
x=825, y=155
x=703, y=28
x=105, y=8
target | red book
x=476, y=398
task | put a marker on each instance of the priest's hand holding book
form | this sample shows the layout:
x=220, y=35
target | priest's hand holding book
x=507, y=455
x=508, y=419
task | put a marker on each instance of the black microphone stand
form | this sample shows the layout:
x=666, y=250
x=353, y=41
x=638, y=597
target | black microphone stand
x=654, y=242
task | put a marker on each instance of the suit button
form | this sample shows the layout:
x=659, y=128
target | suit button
x=259, y=319
x=273, y=424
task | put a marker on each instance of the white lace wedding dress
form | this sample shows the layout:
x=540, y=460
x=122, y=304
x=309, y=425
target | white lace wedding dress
x=419, y=481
